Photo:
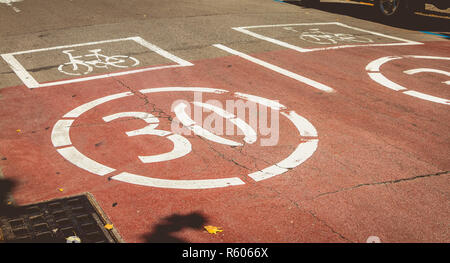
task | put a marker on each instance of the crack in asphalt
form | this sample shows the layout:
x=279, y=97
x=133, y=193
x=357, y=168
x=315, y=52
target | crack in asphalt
x=311, y=213
x=384, y=183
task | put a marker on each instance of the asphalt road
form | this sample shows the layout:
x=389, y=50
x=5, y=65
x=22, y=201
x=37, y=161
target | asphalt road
x=357, y=145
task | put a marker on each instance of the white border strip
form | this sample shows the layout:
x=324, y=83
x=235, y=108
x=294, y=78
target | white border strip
x=277, y=69
x=300, y=49
x=177, y=184
x=72, y=155
x=31, y=83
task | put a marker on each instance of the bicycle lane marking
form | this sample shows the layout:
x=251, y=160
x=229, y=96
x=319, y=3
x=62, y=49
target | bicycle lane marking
x=339, y=122
x=247, y=30
x=31, y=82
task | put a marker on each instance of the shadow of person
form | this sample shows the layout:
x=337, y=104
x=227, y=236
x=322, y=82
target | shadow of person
x=164, y=231
x=7, y=209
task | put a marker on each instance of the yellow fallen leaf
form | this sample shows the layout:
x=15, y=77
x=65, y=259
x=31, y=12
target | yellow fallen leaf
x=109, y=226
x=213, y=229
x=60, y=189
x=18, y=130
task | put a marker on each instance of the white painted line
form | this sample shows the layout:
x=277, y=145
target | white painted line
x=376, y=64
x=272, y=40
x=9, y=3
x=20, y=71
x=190, y=124
x=177, y=184
x=373, y=69
x=87, y=106
x=162, y=52
x=424, y=96
x=300, y=49
x=303, y=151
x=181, y=147
x=407, y=42
x=249, y=132
x=304, y=127
x=60, y=133
x=72, y=155
x=428, y=57
x=277, y=69
x=275, y=105
x=378, y=77
x=147, y=117
x=193, y=89
x=31, y=83
x=426, y=70
x=103, y=76
x=70, y=46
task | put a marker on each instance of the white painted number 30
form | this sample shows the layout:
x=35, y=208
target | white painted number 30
x=307, y=140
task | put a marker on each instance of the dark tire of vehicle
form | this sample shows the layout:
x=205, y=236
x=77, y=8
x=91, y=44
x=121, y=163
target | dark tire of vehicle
x=310, y=3
x=393, y=10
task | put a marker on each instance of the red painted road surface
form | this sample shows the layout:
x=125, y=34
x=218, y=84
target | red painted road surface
x=380, y=168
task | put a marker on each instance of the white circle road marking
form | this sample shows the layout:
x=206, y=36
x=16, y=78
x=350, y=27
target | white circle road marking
x=373, y=69
x=61, y=140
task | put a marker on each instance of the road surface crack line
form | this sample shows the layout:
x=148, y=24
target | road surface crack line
x=384, y=183
x=312, y=214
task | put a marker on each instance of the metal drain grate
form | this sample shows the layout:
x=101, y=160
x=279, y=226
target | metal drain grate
x=55, y=220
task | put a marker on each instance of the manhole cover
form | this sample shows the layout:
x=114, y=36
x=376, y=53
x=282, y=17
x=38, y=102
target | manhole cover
x=56, y=220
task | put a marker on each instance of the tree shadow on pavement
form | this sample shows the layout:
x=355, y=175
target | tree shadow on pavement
x=164, y=231
x=427, y=20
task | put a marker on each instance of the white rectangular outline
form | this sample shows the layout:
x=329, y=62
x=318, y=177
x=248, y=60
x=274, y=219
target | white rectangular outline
x=299, y=49
x=31, y=83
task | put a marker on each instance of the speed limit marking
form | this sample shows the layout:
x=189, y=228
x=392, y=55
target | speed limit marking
x=61, y=140
x=373, y=69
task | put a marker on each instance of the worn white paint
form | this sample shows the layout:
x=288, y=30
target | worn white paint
x=181, y=146
x=198, y=130
x=246, y=30
x=277, y=69
x=177, y=89
x=374, y=73
x=31, y=83
x=9, y=3
x=72, y=155
x=177, y=184
x=60, y=133
x=303, y=151
x=275, y=105
x=61, y=137
x=304, y=127
x=250, y=135
x=381, y=79
x=376, y=64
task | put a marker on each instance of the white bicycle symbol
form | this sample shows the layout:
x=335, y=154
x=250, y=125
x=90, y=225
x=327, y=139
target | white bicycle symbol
x=77, y=66
x=316, y=36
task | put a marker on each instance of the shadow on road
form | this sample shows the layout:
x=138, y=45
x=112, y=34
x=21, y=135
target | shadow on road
x=428, y=20
x=7, y=209
x=164, y=231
